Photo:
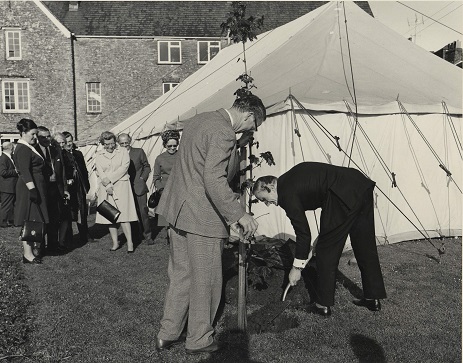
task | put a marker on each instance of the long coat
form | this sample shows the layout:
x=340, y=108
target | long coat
x=163, y=166
x=8, y=175
x=139, y=170
x=30, y=169
x=197, y=197
x=115, y=166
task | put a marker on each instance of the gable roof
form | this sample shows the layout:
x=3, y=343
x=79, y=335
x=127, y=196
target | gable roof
x=172, y=18
x=309, y=58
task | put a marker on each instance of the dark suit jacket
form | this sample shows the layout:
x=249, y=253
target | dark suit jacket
x=139, y=170
x=308, y=186
x=197, y=197
x=57, y=165
x=80, y=161
x=8, y=175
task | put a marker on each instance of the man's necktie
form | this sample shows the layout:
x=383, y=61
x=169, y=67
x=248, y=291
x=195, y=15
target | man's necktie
x=47, y=155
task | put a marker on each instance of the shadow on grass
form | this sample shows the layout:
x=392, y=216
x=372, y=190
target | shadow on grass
x=366, y=350
x=235, y=348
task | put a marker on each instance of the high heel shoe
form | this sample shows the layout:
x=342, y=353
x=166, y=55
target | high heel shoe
x=36, y=261
x=130, y=251
x=115, y=249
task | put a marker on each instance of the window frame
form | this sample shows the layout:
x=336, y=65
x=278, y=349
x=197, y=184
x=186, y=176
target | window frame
x=7, y=43
x=170, y=46
x=89, y=111
x=16, y=81
x=208, y=50
x=174, y=84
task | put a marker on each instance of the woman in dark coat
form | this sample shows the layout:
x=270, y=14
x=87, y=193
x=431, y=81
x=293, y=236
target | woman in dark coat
x=31, y=201
x=163, y=166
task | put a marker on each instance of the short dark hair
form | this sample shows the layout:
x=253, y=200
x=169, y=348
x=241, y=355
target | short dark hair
x=67, y=134
x=262, y=182
x=42, y=129
x=106, y=135
x=25, y=125
x=251, y=103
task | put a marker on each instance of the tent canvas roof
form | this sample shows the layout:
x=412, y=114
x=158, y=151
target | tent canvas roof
x=309, y=57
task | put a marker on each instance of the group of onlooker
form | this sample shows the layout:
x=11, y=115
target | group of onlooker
x=51, y=186
x=46, y=179
x=122, y=172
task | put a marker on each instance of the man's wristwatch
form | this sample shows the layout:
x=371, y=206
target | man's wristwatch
x=298, y=268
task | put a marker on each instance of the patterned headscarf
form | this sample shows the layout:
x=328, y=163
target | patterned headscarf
x=168, y=135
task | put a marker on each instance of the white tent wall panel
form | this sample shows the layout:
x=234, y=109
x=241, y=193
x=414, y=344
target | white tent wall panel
x=437, y=212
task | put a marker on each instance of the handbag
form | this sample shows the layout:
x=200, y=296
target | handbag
x=107, y=210
x=154, y=198
x=33, y=231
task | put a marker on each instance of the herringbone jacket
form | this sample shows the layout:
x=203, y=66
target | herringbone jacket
x=197, y=197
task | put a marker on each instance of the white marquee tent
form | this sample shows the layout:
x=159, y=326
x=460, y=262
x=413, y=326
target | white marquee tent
x=325, y=64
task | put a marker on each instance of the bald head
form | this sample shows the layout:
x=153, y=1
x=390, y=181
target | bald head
x=124, y=140
x=7, y=147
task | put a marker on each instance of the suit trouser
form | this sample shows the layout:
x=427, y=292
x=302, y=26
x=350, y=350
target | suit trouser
x=6, y=208
x=195, y=288
x=83, y=225
x=360, y=225
x=53, y=203
x=143, y=224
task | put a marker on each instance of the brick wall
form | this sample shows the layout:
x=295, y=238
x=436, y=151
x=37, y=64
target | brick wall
x=46, y=60
x=130, y=77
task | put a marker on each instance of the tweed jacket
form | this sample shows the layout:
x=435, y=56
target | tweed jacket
x=139, y=170
x=197, y=197
x=8, y=175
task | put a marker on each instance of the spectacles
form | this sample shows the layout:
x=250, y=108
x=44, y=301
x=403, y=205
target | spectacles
x=110, y=144
x=171, y=146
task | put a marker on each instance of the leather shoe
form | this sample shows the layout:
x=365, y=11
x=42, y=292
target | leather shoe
x=162, y=344
x=373, y=305
x=324, y=311
x=213, y=347
x=36, y=260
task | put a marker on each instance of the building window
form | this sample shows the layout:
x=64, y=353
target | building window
x=167, y=86
x=13, y=44
x=207, y=50
x=15, y=96
x=169, y=52
x=93, y=97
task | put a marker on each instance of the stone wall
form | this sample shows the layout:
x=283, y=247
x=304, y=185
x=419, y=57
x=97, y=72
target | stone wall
x=46, y=62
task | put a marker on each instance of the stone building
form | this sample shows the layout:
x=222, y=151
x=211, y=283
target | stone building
x=451, y=53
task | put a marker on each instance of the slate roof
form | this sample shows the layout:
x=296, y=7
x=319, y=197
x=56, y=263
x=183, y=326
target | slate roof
x=172, y=18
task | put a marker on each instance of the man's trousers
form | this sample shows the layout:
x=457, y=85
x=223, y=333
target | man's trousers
x=195, y=288
x=6, y=208
x=360, y=225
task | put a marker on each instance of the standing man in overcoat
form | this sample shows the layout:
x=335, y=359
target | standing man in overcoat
x=139, y=170
x=201, y=207
x=79, y=186
x=56, y=185
x=8, y=179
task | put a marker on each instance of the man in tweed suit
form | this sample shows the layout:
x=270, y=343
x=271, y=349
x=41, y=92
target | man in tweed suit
x=200, y=206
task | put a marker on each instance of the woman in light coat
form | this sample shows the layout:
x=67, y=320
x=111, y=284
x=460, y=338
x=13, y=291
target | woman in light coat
x=112, y=165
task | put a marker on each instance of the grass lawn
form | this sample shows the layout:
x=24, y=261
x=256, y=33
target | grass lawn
x=91, y=305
